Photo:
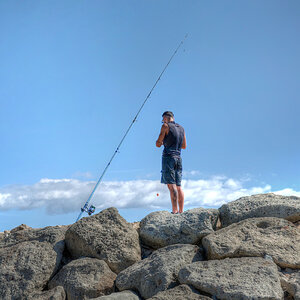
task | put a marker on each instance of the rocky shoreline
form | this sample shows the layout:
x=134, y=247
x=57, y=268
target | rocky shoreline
x=247, y=249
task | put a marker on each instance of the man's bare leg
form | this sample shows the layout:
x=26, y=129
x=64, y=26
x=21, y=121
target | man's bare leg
x=174, y=197
x=180, y=198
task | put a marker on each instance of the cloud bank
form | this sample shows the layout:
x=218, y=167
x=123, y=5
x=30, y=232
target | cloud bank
x=61, y=196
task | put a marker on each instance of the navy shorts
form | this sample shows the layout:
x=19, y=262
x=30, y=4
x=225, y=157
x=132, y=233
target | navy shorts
x=171, y=170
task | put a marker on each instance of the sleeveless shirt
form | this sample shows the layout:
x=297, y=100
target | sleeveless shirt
x=173, y=140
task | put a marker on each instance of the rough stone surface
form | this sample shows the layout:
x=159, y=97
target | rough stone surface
x=28, y=259
x=85, y=278
x=125, y=295
x=20, y=227
x=180, y=292
x=235, y=278
x=136, y=226
x=106, y=236
x=161, y=228
x=49, y=234
x=158, y=272
x=58, y=293
x=290, y=282
x=260, y=205
x=276, y=237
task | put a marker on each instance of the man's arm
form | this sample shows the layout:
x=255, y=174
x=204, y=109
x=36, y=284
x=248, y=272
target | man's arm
x=183, y=146
x=163, y=131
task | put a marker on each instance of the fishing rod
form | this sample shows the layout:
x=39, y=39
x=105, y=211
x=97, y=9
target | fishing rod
x=92, y=208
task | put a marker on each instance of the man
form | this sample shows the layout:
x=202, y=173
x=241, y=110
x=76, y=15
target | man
x=172, y=136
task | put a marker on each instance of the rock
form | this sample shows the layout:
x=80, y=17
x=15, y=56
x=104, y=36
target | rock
x=20, y=227
x=180, y=292
x=158, y=272
x=125, y=295
x=290, y=282
x=49, y=234
x=275, y=237
x=234, y=278
x=260, y=205
x=85, y=278
x=106, y=236
x=161, y=228
x=27, y=267
x=136, y=226
x=58, y=293
x=28, y=259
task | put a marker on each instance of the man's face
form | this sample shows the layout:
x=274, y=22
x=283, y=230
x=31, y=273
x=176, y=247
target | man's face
x=166, y=119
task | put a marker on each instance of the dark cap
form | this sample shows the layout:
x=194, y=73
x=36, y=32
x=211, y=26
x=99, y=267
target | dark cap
x=168, y=113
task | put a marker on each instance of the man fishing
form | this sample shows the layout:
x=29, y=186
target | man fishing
x=172, y=136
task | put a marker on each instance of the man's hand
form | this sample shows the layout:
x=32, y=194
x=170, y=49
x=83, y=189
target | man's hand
x=163, y=131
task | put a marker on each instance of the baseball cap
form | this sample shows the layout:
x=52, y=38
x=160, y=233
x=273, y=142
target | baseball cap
x=168, y=113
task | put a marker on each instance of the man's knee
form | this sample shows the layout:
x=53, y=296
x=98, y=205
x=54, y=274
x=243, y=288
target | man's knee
x=173, y=189
x=171, y=186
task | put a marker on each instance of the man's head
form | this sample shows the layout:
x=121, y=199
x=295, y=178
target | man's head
x=168, y=116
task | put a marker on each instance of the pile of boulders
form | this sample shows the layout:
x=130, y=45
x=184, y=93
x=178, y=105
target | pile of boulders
x=246, y=249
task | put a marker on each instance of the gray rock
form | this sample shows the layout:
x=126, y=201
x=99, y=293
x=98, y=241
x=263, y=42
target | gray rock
x=260, y=205
x=106, y=236
x=180, y=292
x=161, y=228
x=28, y=259
x=290, y=282
x=85, y=278
x=58, y=293
x=49, y=234
x=235, y=278
x=158, y=272
x=273, y=237
x=27, y=267
x=125, y=295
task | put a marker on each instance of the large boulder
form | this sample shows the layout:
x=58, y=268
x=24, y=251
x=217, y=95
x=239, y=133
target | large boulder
x=125, y=295
x=58, y=293
x=260, y=205
x=180, y=292
x=106, y=236
x=28, y=259
x=235, y=278
x=290, y=282
x=158, y=272
x=161, y=228
x=276, y=237
x=85, y=278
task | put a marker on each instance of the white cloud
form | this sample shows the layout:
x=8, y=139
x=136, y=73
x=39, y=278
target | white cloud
x=68, y=195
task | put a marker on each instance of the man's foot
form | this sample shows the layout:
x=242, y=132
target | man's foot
x=174, y=213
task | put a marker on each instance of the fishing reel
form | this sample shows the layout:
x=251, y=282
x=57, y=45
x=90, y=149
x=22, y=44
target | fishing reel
x=89, y=210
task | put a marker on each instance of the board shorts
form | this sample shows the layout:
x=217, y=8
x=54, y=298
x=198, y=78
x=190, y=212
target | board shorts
x=171, y=170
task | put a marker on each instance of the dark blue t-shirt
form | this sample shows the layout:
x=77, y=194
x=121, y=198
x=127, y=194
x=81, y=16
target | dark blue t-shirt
x=173, y=140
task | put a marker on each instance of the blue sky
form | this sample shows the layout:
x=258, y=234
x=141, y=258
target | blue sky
x=73, y=74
